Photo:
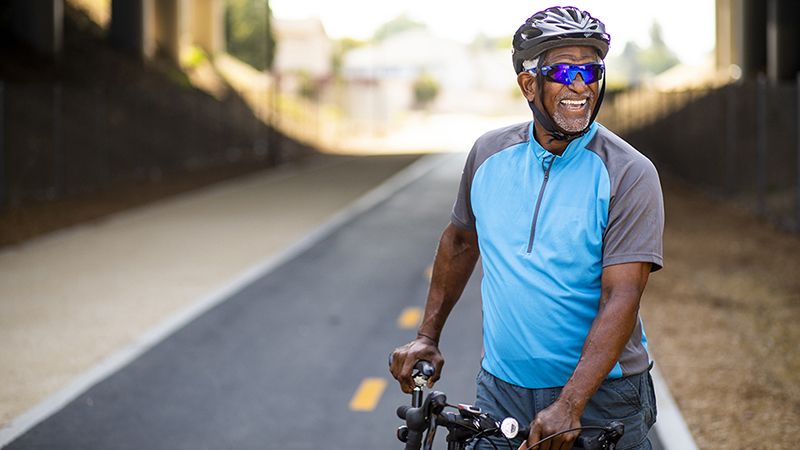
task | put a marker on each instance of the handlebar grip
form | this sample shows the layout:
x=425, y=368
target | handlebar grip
x=414, y=438
x=414, y=417
x=582, y=442
x=402, y=410
x=424, y=368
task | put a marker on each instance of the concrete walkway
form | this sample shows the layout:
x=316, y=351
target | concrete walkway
x=70, y=299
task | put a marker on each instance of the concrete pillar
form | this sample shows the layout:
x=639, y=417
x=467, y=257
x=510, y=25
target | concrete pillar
x=729, y=37
x=167, y=28
x=754, y=33
x=208, y=25
x=39, y=23
x=783, y=39
x=132, y=26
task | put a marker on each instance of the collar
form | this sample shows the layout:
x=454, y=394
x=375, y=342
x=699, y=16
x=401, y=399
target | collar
x=573, y=148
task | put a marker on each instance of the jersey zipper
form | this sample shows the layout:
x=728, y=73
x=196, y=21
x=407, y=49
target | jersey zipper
x=539, y=201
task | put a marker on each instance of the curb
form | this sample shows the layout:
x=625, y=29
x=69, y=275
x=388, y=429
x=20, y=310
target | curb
x=671, y=428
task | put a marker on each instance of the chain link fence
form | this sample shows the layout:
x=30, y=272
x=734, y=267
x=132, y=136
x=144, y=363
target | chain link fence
x=740, y=141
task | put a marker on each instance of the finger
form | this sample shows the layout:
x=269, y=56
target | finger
x=408, y=369
x=534, y=436
x=399, y=372
x=395, y=362
x=569, y=440
x=438, y=364
x=524, y=445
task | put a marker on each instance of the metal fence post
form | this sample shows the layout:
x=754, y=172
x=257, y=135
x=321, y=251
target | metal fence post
x=58, y=150
x=730, y=125
x=102, y=135
x=762, y=143
x=797, y=180
x=2, y=147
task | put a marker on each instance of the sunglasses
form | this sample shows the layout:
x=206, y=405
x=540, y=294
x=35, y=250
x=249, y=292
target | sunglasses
x=566, y=73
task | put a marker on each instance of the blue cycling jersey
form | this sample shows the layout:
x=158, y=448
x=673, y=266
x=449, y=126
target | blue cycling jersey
x=547, y=225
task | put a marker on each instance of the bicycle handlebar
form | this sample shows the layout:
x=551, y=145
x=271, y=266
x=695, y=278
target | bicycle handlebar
x=420, y=374
x=469, y=423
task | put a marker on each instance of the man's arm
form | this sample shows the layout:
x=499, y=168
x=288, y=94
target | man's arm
x=622, y=287
x=455, y=260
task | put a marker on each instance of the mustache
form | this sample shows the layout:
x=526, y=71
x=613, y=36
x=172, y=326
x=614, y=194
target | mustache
x=566, y=95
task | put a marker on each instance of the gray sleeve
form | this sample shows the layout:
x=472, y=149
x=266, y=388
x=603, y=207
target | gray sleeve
x=636, y=213
x=462, y=215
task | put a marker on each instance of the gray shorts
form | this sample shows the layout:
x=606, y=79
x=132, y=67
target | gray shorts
x=630, y=400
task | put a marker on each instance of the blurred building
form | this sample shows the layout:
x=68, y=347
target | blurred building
x=303, y=57
x=380, y=76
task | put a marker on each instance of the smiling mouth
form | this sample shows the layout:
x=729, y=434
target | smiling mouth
x=573, y=104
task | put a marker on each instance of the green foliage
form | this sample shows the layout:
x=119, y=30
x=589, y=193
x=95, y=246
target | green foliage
x=426, y=89
x=248, y=32
x=193, y=57
x=343, y=46
x=636, y=64
x=658, y=57
x=308, y=88
x=395, y=26
x=484, y=42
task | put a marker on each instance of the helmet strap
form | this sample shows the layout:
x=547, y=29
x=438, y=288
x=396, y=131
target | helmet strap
x=543, y=119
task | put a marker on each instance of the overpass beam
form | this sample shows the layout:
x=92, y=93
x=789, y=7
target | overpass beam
x=208, y=25
x=783, y=39
x=168, y=29
x=132, y=26
x=39, y=24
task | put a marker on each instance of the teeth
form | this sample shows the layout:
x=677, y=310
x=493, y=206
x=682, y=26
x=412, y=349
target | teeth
x=573, y=102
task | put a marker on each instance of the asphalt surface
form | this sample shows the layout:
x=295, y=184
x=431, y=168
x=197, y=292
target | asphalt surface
x=277, y=363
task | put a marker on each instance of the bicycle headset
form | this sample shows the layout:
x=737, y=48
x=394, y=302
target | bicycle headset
x=553, y=28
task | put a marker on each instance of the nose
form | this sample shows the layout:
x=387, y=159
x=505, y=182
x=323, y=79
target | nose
x=578, y=85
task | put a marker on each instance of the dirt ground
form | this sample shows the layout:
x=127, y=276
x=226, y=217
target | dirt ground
x=723, y=321
x=722, y=317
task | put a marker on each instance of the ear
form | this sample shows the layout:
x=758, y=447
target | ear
x=527, y=84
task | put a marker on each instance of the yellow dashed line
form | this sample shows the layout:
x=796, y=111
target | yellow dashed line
x=367, y=396
x=409, y=318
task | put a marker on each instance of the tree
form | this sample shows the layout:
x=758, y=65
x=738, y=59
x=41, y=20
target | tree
x=426, y=89
x=658, y=57
x=636, y=64
x=343, y=46
x=248, y=32
x=397, y=25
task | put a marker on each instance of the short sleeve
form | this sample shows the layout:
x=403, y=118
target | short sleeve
x=462, y=215
x=636, y=215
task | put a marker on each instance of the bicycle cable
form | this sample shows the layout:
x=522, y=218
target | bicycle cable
x=564, y=432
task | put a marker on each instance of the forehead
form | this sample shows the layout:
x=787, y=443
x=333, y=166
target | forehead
x=572, y=54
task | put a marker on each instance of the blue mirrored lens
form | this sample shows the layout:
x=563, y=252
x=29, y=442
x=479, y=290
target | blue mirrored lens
x=566, y=73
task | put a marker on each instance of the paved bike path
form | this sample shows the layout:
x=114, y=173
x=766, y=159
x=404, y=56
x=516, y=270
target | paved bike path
x=276, y=361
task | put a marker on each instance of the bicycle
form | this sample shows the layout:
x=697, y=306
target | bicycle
x=469, y=424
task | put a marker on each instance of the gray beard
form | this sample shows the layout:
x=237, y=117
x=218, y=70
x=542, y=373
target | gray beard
x=573, y=125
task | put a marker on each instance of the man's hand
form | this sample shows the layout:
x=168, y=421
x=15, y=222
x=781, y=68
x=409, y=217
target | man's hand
x=554, y=419
x=404, y=358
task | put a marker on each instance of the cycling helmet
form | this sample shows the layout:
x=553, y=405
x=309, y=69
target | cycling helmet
x=553, y=28
x=557, y=27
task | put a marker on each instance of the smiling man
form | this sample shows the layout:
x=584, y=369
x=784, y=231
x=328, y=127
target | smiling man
x=568, y=220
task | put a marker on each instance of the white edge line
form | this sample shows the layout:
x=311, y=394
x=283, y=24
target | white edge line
x=150, y=338
x=670, y=427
